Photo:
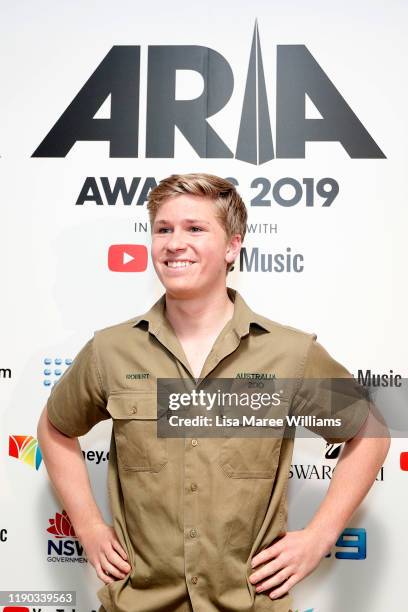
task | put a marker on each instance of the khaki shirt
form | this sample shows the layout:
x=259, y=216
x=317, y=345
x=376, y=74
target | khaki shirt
x=190, y=513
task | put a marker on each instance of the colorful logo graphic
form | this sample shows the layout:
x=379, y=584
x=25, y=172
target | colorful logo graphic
x=25, y=448
x=61, y=526
x=127, y=258
x=15, y=609
x=404, y=461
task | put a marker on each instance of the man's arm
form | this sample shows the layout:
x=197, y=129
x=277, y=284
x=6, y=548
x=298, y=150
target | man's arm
x=67, y=471
x=355, y=473
x=298, y=553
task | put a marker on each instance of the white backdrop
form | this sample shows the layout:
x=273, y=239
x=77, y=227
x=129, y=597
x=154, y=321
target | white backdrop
x=57, y=287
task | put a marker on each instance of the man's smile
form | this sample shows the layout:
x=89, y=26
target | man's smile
x=176, y=264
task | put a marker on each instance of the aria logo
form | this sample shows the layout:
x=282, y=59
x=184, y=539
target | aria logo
x=116, y=82
x=26, y=449
x=66, y=542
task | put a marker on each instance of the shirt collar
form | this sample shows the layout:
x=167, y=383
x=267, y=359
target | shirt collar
x=241, y=322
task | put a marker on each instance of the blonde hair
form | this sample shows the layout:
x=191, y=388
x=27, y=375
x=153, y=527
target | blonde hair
x=230, y=209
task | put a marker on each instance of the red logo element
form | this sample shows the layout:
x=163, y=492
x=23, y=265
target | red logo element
x=17, y=445
x=127, y=258
x=404, y=461
x=61, y=526
x=15, y=609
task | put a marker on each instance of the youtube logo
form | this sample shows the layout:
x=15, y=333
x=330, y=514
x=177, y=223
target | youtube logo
x=127, y=258
x=404, y=461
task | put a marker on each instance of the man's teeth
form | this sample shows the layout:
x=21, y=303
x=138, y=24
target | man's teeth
x=179, y=264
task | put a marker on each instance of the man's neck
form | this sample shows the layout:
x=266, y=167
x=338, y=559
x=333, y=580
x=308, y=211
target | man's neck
x=199, y=316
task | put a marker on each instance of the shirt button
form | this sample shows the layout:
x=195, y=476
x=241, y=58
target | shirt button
x=194, y=442
x=193, y=533
x=194, y=579
x=134, y=409
x=193, y=486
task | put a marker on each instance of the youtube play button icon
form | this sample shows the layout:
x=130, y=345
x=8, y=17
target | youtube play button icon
x=127, y=258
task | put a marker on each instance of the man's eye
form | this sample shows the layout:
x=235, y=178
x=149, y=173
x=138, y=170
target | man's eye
x=162, y=230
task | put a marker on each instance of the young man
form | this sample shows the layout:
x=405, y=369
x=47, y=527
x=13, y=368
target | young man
x=198, y=523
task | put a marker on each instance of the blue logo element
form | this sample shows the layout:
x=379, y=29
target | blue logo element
x=352, y=538
x=56, y=372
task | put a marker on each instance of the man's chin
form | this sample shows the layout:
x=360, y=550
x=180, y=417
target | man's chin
x=181, y=288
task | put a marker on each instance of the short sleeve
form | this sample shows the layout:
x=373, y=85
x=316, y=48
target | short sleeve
x=330, y=401
x=77, y=401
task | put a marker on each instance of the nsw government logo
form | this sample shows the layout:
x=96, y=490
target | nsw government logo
x=65, y=546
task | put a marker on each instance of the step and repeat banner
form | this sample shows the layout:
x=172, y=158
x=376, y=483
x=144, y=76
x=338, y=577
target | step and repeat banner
x=303, y=106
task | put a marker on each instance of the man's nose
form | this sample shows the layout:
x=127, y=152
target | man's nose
x=175, y=241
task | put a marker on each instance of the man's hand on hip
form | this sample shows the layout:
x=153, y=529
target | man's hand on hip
x=105, y=553
x=287, y=561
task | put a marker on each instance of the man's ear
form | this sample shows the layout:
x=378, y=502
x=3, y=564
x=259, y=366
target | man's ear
x=233, y=248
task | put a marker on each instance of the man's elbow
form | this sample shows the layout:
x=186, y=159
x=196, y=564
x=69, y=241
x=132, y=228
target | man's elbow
x=374, y=436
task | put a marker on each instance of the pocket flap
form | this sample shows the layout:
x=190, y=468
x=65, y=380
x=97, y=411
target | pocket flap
x=133, y=406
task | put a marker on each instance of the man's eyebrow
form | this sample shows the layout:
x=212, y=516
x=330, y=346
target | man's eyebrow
x=164, y=221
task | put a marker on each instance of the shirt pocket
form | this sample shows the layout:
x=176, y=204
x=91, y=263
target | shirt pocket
x=135, y=422
x=250, y=457
x=246, y=455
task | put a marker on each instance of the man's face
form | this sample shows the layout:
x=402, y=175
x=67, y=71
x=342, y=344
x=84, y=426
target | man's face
x=190, y=247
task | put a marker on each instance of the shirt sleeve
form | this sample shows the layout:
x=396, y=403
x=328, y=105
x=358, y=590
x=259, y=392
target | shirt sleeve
x=334, y=405
x=77, y=401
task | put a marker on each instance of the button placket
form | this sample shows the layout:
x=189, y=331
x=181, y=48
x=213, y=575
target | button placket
x=191, y=514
